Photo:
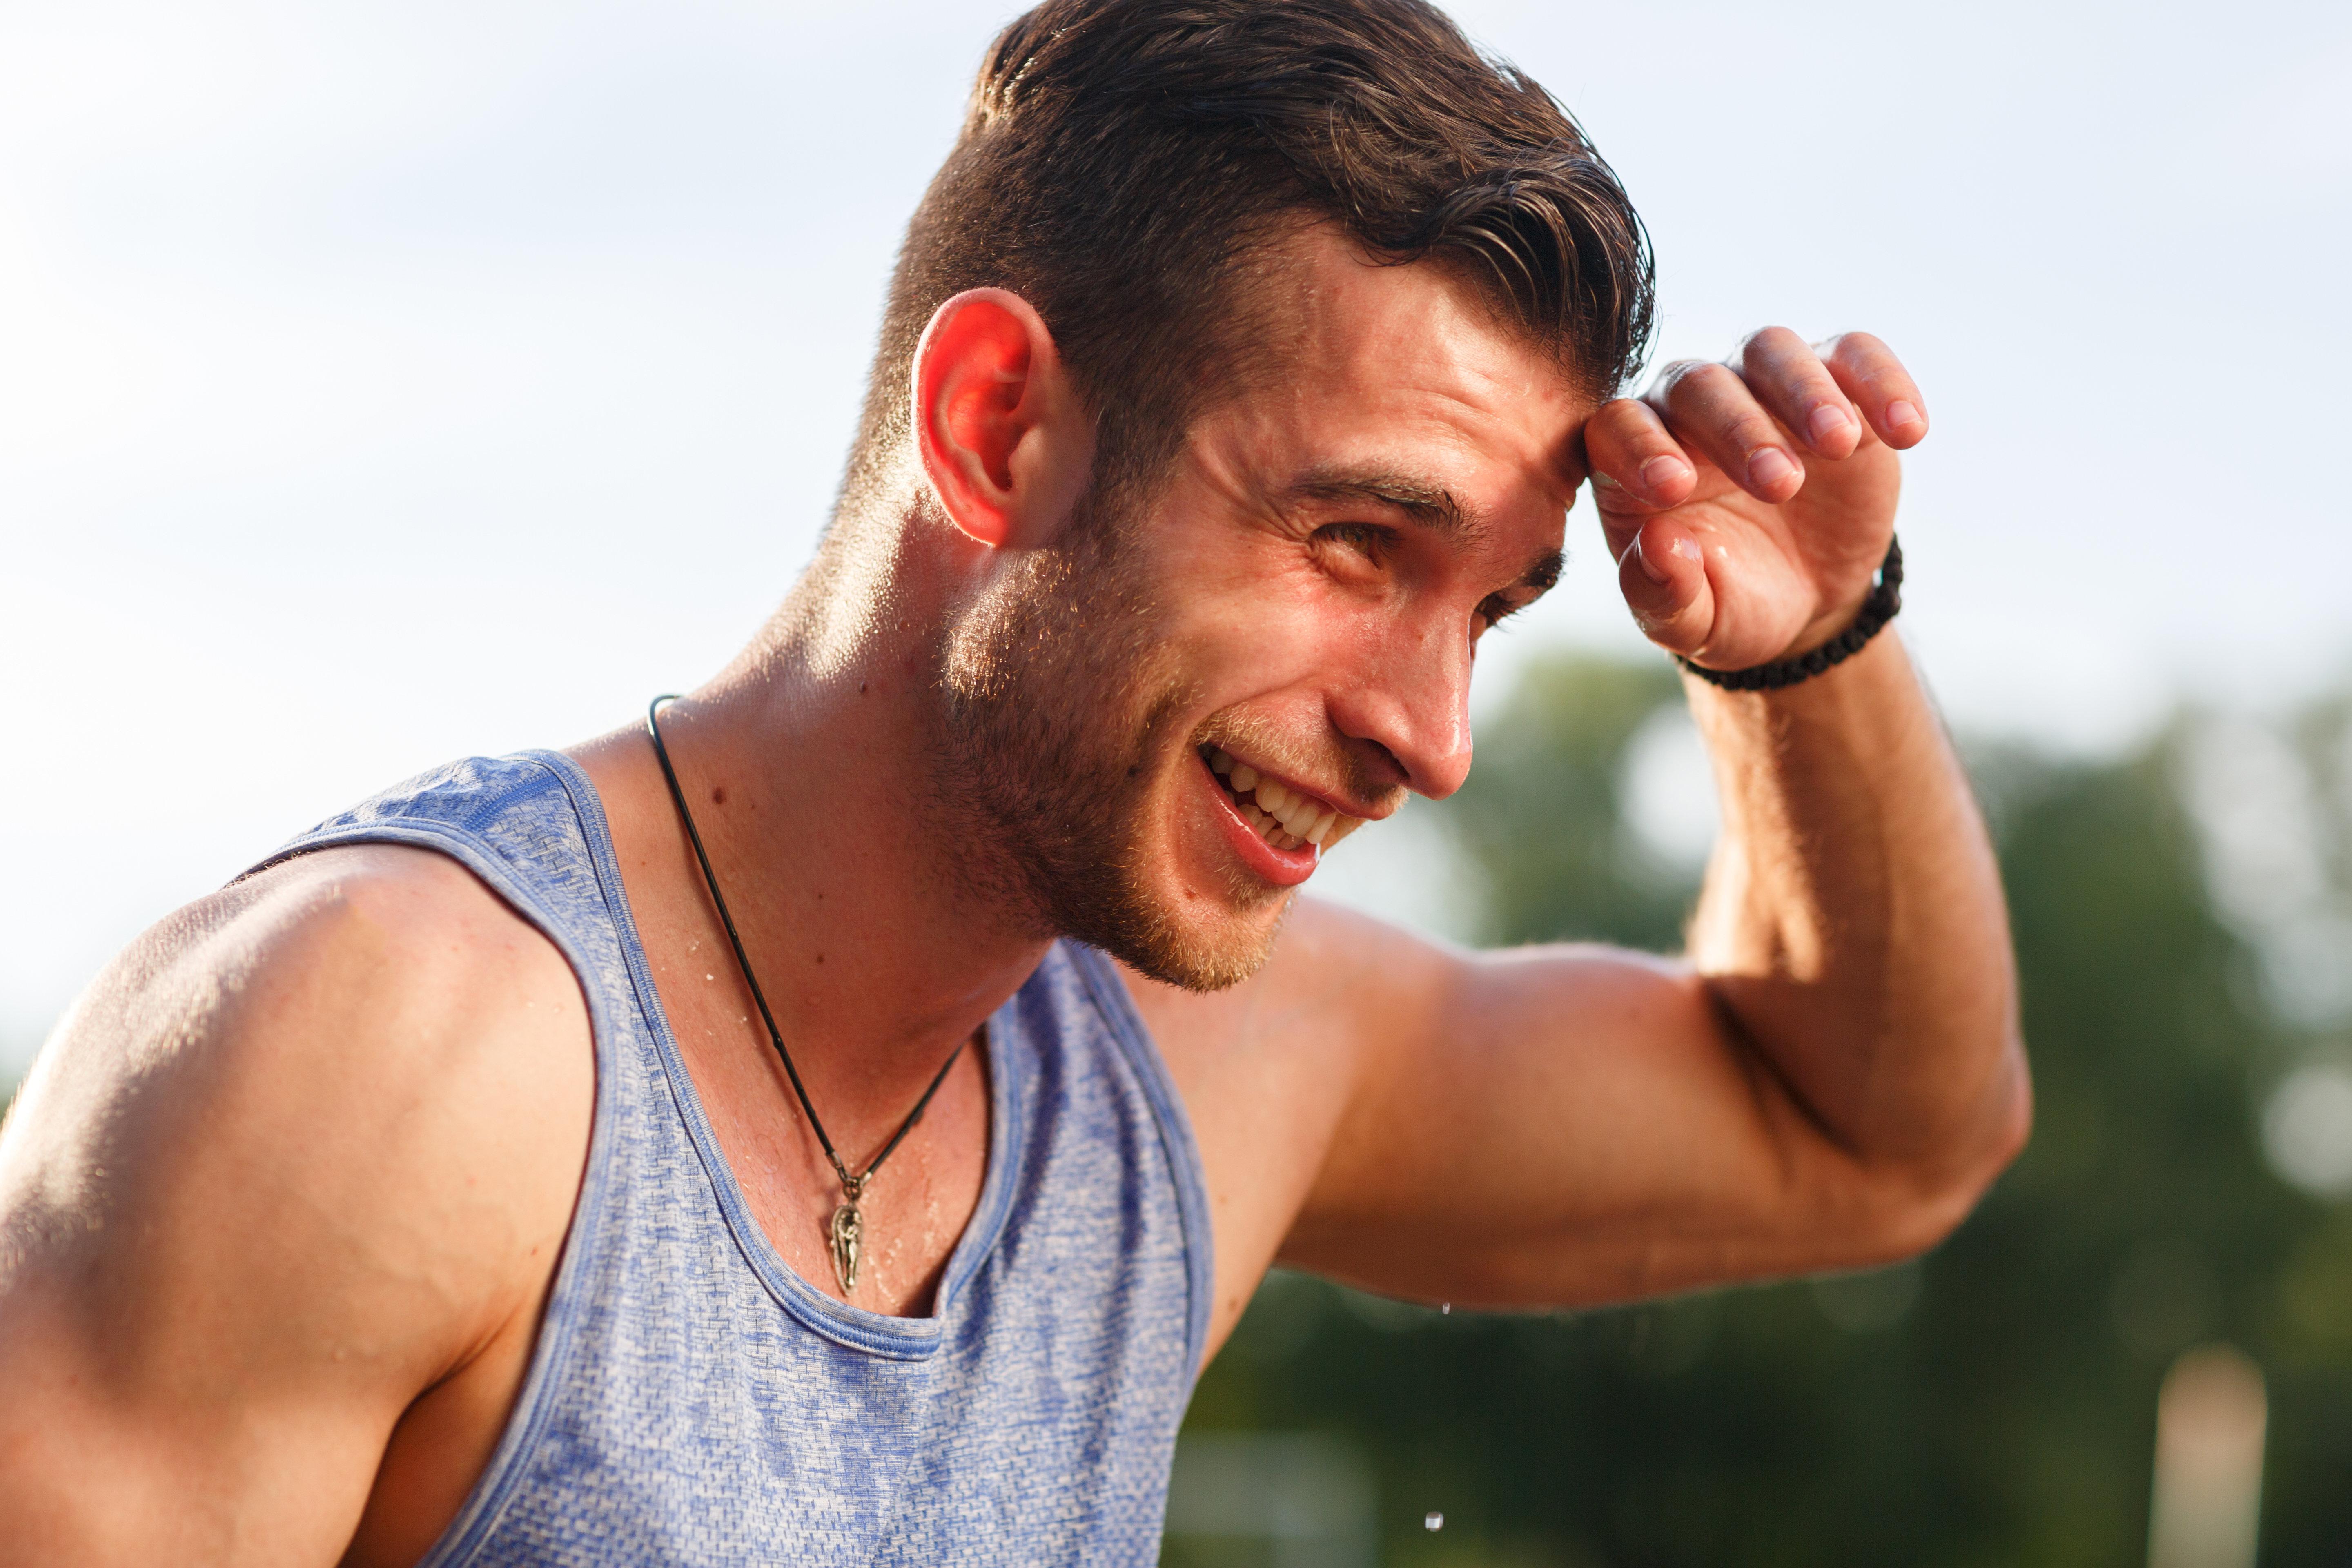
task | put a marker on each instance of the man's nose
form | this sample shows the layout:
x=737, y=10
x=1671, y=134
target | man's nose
x=1412, y=698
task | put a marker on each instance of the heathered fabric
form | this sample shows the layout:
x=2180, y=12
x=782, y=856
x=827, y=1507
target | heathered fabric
x=692, y=1402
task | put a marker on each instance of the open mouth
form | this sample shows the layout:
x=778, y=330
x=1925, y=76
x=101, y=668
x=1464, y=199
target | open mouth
x=1275, y=813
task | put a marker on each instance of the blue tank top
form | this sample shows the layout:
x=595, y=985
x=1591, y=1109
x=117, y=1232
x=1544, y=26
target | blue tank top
x=691, y=1401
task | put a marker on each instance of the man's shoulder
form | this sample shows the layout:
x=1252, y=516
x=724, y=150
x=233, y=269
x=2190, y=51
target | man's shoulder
x=1332, y=973
x=322, y=1086
x=1274, y=1061
x=365, y=961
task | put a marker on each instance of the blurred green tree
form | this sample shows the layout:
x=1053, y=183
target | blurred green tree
x=1991, y=1404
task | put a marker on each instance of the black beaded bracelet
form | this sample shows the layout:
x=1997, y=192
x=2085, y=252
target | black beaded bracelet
x=1884, y=601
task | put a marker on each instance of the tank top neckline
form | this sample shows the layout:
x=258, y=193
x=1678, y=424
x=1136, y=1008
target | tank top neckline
x=878, y=1333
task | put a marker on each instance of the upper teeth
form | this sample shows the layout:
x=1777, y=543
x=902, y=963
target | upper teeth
x=1281, y=816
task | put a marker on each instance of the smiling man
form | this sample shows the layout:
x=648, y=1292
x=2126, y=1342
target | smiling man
x=833, y=1119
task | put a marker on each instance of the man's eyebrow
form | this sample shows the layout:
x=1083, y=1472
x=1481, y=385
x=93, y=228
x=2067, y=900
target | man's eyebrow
x=1430, y=504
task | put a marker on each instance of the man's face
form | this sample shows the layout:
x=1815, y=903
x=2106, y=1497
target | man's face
x=1297, y=604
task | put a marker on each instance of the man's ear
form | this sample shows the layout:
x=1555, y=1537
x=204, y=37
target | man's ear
x=1003, y=440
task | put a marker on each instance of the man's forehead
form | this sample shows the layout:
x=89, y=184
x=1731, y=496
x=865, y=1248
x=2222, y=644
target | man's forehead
x=1387, y=356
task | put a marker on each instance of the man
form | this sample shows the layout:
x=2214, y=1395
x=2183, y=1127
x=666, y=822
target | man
x=727, y=1141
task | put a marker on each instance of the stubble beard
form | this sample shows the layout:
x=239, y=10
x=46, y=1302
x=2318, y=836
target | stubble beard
x=1059, y=706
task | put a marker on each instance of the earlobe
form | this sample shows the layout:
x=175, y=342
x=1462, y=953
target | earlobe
x=992, y=416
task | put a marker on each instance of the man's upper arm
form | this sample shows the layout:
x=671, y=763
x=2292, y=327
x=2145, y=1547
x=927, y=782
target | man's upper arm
x=1553, y=1125
x=1562, y=1125
x=284, y=1167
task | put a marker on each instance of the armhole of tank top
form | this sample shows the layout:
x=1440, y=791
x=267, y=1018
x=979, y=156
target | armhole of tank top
x=1134, y=1036
x=559, y=1325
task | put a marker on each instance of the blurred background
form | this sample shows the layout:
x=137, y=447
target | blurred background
x=381, y=384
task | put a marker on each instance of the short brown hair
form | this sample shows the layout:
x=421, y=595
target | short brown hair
x=1121, y=160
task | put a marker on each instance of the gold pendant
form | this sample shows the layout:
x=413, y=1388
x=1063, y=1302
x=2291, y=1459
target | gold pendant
x=848, y=1234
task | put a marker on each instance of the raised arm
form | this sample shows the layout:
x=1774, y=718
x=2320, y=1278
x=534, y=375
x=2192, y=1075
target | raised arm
x=1830, y=1075
x=1827, y=1080
x=279, y=1197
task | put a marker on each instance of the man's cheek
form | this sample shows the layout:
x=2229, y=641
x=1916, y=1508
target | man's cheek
x=1279, y=648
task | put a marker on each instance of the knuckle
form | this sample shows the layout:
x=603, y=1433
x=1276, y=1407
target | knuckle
x=1619, y=417
x=1703, y=379
x=1771, y=344
x=1859, y=348
x=1673, y=373
x=1626, y=425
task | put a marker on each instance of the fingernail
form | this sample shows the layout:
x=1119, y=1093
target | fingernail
x=1827, y=421
x=1660, y=472
x=1901, y=412
x=1641, y=559
x=1770, y=467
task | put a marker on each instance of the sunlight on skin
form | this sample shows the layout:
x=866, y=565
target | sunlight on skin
x=1306, y=592
x=1330, y=641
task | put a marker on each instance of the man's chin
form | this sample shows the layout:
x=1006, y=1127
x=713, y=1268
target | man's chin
x=1195, y=956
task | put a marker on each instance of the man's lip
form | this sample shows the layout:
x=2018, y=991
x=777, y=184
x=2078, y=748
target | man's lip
x=1283, y=868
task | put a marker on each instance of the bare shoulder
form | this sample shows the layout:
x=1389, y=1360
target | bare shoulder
x=296, y=1156
x=1270, y=1069
x=1344, y=995
x=336, y=1008
x=1336, y=1089
x=1333, y=970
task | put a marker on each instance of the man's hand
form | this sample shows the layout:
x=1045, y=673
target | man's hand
x=1748, y=503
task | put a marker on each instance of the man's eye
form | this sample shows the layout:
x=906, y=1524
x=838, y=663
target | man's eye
x=1365, y=540
x=1493, y=610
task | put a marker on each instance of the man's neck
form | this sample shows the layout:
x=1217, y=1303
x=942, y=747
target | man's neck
x=808, y=778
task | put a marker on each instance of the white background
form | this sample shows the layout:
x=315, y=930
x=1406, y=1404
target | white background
x=380, y=384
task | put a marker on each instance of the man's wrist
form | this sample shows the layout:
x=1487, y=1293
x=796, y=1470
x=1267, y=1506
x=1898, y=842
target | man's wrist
x=1880, y=605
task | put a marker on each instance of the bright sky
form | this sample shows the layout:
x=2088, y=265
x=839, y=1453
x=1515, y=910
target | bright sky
x=384, y=383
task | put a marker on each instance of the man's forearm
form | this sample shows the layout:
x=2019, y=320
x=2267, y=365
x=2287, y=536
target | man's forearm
x=1852, y=926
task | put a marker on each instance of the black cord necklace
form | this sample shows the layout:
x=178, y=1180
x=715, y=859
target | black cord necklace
x=847, y=1231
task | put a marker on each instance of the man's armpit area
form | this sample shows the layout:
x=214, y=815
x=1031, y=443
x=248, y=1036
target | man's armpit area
x=301, y=1151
